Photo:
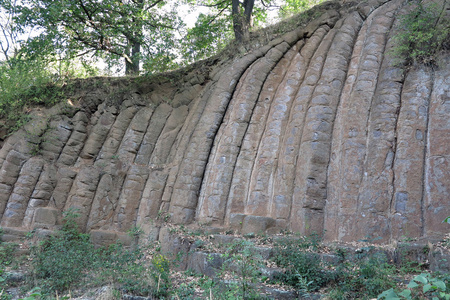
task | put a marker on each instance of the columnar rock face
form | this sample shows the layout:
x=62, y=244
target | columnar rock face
x=317, y=131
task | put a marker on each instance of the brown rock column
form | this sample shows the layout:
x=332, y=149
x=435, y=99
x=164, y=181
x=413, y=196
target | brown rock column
x=168, y=135
x=42, y=192
x=311, y=170
x=73, y=147
x=126, y=212
x=407, y=203
x=82, y=194
x=8, y=176
x=218, y=175
x=98, y=134
x=262, y=178
x=376, y=190
x=281, y=195
x=54, y=139
x=155, y=127
x=134, y=135
x=346, y=166
x=116, y=134
x=437, y=164
x=187, y=186
x=23, y=188
x=239, y=188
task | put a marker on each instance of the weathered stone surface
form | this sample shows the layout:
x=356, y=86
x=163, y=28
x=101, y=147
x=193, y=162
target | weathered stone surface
x=44, y=217
x=256, y=224
x=42, y=192
x=315, y=130
x=54, y=139
x=437, y=162
x=349, y=141
x=205, y=263
x=174, y=248
x=18, y=201
x=155, y=126
x=75, y=143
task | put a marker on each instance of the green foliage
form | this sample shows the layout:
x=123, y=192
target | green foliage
x=210, y=35
x=422, y=34
x=68, y=260
x=243, y=263
x=362, y=280
x=422, y=286
x=28, y=82
x=160, y=273
x=61, y=260
x=304, y=269
x=292, y=7
x=124, y=267
x=213, y=30
x=23, y=83
x=35, y=293
x=6, y=258
x=134, y=31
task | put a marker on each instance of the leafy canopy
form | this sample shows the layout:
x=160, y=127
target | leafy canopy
x=131, y=30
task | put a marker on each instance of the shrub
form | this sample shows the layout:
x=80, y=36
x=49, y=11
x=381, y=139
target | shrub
x=423, y=286
x=421, y=35
x=302, y=267
x=243, y=263
x=364, y=279
x=63, y=259
x=68, y=259
x=24, y=83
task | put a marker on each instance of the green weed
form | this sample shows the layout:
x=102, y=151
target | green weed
x=422, y=286
x=304, y=269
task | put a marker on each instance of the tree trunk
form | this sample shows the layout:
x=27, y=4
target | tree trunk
x=237, y=21
x=242, y=20
x=132, y=68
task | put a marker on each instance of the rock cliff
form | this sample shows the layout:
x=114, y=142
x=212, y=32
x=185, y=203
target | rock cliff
x=315, y=131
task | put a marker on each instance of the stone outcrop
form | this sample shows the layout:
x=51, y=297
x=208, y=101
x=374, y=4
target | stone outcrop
x=316, y=131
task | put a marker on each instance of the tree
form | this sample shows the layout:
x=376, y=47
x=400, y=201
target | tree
x=112, y=29
x=242, y=18
x=224, y=20
x=291, y=7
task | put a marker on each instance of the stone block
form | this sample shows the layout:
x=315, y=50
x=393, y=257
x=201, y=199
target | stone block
x=150, y=234
x=256, y=224
x=264, y=252
x=440, y=261
x=12, y=234
x=103, y=237
x=205, y=263
x=45, y=217
x=126, y=239
x=223, y=240
x=236, y=221
x=174, y=248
